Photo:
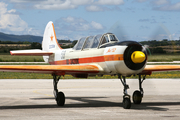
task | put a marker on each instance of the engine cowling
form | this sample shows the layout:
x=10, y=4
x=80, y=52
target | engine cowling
x=134, y=58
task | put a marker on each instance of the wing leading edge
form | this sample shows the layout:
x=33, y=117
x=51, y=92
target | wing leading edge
x=52, y=69
x=154, y=68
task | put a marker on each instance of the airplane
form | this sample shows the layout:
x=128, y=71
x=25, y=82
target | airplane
x=102, y=54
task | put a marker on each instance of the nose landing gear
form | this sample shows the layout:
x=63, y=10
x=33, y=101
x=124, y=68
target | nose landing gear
x=137, y=95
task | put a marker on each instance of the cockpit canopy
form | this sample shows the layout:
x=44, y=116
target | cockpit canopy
x=95, y=41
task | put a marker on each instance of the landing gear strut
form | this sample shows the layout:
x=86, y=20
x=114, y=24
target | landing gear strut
x=59, y=96
x=138, y=94
x=126, y=97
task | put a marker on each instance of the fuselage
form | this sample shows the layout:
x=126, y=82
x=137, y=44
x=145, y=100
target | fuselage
x=113, y=57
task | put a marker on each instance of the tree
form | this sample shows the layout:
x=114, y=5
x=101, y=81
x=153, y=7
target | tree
x=35, y=45
x=74, y=42
x=157, y=50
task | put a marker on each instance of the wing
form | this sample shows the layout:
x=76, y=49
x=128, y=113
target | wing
x=35, y=52
x=153, y=68
x=52, y=69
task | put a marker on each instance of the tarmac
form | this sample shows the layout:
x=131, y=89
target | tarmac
x=88, y=99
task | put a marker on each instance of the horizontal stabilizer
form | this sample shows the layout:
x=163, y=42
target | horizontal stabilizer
x=35, y=52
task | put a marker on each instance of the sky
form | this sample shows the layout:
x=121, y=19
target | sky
x=137, y=20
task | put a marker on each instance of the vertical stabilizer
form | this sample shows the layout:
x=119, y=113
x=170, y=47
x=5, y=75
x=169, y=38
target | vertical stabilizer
x=50, y=42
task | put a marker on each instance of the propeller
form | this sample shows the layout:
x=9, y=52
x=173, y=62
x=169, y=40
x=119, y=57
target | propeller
x=119, y=31
x=130, y=56
x=159, y=33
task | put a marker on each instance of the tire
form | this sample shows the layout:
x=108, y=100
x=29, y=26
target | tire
x=126, y=103
x=60, y=99
x=137, y=97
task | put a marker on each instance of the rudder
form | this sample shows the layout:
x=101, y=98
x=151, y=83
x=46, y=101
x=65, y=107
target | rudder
x=50, y=42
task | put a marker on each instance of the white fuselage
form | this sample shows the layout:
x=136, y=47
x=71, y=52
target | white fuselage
x=110, y=59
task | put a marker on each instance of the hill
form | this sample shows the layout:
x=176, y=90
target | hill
x=22, y=38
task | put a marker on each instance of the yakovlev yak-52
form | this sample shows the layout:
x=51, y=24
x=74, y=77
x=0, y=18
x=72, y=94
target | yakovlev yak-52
x=101, y=54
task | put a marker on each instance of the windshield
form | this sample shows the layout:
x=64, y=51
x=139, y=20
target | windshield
x=112, y=38
x=95, y=41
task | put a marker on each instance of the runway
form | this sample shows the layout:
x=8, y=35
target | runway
x=91, y=99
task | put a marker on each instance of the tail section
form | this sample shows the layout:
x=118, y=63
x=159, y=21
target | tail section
x=50, y=42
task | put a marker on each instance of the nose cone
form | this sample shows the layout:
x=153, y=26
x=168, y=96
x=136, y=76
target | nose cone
x=138, y=57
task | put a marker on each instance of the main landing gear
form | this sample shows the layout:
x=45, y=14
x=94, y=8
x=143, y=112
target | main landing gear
x=137, y=95
x=59, y=96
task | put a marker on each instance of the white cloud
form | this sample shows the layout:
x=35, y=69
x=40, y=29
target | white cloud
x=110, y=2
x=94, y=8
x=55, y=4
x=20, y=1
x=160, y=2
x=77, y=24
x=94, y=5
x=68, y=19
x=96, y=25
x=165, y=5
x=81, y=2
x=3, y=8
x=12, y=11
x=73, y=26
x=169, y=7
x=10, y=22
x=32, y=31
x=72, y=23
x=59, y=4
x=140, y=1
x=173, y=7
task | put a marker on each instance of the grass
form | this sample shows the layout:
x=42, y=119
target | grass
x=11, y=75
x=163, y=58
x=11, y=58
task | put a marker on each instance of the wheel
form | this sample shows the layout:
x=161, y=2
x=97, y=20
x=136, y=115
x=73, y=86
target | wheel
x=60, y=99
x=137, y=97
x=126, y=103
